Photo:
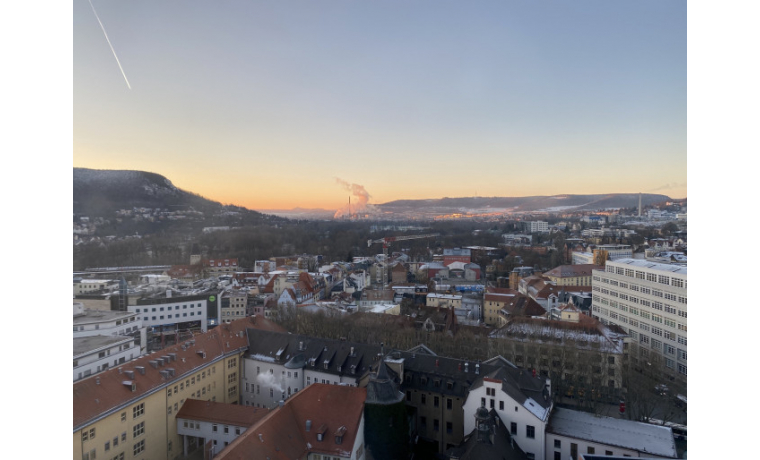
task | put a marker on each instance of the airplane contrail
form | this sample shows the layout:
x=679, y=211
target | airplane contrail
x=109, y=44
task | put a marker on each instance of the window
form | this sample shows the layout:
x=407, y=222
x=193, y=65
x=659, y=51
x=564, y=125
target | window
x=423, y=399
x=435, y=401
x=123, y=416
x=107, y=446
x=449, y=403
x=557, y=444
x=436, y=425
x=115, y=441
x=530, y=432
x=591, y=450
x=423, y=422
x=449, y=427
x=124, y=437
x=408, y=395
x=138, y=429
x=513, y=428
x=139, y=447
x=138, y=410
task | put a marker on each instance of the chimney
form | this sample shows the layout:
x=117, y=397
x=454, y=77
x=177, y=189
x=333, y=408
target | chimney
x=352, y=352
x=300, y=346
x=466, y=367
x=477, y=369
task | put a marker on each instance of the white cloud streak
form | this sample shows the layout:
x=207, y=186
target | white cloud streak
x=109, y=44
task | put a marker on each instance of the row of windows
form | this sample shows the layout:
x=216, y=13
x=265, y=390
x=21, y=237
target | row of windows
x=652, y=277
x=191, y=381
x=153, y=318
x=169, y=308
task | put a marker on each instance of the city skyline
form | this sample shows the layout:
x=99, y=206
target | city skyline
x=277, y=106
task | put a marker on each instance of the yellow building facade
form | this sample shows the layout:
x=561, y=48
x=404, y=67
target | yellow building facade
x=129, y=412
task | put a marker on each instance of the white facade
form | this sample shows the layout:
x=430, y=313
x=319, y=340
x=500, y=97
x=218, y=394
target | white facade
x=97, y=353
x=536, y=226
x=219, y=434
x=526, y=422
x=86, y=286
x=176, y=311
x=648, y=300
x=582, y=258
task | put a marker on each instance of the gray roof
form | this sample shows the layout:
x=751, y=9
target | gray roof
x=627, y=434
x=652, y=265
x=96, y=316
x=265, y=346
x=84, y=345
x=381, y=389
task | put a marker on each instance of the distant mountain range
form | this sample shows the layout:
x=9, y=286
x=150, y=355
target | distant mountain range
x=528, y=203
x=102, y=192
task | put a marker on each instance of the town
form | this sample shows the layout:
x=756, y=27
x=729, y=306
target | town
x=535, y=336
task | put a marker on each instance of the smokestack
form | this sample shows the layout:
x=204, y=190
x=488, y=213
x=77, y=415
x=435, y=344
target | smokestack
x=639, y=204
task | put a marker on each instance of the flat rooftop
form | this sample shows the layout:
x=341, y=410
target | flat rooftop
x=681, y=270
x=83, y=345
x=627, y=434
x=96, y=316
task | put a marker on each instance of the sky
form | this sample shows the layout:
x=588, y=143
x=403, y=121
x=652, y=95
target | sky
x=277, y=105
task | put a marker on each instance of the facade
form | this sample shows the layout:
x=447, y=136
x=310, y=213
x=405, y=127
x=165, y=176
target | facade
x=456, y=255
x=214, y=424
x=279, y=365
x=233, y=306
x=584, y=356
x=536, y=226
x=496, y=299
x=648, y=300
x=218, y=267
x=96, y=353
x=86, y=286
x=443, y=300
x=131, y=409
x=570, y=433
x=572, y=275
x=521, y=401
x=183, y=312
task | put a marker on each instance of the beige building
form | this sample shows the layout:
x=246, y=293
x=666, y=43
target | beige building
x=443, y=300
x=572, y=275
x=495, y=300
x=234, y=305
x=130, y=411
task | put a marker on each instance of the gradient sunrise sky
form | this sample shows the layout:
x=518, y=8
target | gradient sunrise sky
x=266, y=104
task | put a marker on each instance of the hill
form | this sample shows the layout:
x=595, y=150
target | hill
x=102, y=192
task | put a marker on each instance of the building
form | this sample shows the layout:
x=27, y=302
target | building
x=218, y=267
x=85, y=286
x=278, y=365
x=648, y=300
x=456, y=255
x=443, y=300
x=570, y=433
x=572, y=275
x=535, y=226
x=323, y=422
x=233, y=306
x=494, y=300
x=131, y=409
x=214, y=424
x=172, y=312
x=577, y=356
x=521, y=400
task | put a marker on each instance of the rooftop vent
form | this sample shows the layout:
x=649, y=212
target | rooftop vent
x=140, y=369
x=308, y=426
x=170, y=371
x=129, y=384
x=97, y=380
x=201, y=353
x=130, y=374
x=153, y=363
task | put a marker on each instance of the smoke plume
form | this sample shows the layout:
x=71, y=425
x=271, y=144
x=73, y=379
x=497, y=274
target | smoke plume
x=359, y=205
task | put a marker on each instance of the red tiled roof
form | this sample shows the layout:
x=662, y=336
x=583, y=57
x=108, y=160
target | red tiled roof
x=229, y=414
x=282, y=433
x=104, y=392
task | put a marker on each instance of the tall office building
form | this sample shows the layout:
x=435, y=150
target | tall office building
x=648, y=300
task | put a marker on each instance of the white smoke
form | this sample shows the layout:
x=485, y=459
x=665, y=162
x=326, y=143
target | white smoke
x=270, y=381
x=360, y=205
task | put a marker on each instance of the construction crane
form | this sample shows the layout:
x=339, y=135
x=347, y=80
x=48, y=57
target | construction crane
x=387, y=242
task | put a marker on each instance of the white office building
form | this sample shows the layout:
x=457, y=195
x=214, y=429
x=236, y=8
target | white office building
x=648, y=300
